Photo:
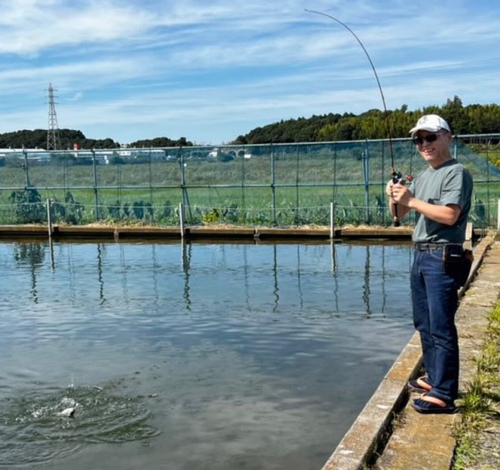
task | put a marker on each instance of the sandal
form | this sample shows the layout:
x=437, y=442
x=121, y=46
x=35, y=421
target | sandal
x=427, y=404
x=419, y=385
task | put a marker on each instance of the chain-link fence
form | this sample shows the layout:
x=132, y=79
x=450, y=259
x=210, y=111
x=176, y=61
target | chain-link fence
x=244, y=185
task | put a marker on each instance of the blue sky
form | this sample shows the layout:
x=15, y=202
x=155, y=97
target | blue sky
x=212, y=70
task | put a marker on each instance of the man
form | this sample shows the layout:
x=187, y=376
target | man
x=441, y=198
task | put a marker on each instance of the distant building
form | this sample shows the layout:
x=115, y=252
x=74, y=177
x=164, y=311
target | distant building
x=32, y=154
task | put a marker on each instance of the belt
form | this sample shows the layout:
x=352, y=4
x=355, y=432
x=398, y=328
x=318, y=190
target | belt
x=433, y=246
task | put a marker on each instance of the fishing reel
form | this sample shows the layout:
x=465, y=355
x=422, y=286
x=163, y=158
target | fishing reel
x=397, y=177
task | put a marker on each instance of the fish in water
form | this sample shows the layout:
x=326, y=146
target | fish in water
x=67, y=413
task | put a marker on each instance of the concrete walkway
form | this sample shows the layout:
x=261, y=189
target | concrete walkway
x=415, y=441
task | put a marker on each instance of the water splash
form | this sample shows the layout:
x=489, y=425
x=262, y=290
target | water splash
x=33, y=431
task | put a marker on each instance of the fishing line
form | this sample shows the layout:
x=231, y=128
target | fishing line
x=397, y=177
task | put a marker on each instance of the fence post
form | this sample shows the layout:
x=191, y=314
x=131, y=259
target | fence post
x=366, y=176
x=273, y=185
x=26, y=169
x=185, y=196
x=150, y=171
x=96, y=192
x=332, y=220
x=49, y=218
x=182, y=219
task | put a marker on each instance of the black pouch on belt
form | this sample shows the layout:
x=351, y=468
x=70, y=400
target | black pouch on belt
x=457, y=263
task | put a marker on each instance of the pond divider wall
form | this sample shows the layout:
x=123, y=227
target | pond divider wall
x=201, y=232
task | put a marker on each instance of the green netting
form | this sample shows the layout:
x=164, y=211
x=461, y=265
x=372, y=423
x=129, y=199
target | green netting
x=280, y=184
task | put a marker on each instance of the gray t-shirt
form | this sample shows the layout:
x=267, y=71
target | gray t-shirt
x=449, y=183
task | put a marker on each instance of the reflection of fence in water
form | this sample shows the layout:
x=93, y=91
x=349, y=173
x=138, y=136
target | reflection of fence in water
x=280, y=184
x=368, y=264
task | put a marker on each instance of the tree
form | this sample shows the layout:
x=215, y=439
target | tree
x=454, y=113
x=160, y=142
x=38, y=139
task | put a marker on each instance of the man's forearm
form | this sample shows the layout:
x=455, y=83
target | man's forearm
x=447, y=215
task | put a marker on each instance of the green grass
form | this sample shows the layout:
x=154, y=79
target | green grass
x=481, y=398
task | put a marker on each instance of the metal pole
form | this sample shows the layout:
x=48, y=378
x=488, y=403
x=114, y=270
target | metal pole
x=26, y=169
x=185, y=197
x=366, y=176
x=183, y=176
x=297, y=180
x=96, y=192
x=49, y=218
x=150, y=182
x=181, y=219
x=332, y=220
x=488, y=163
x=273, y=185
x=243, y=202
x=383, y=176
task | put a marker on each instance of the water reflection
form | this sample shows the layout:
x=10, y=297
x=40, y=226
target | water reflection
x=186, y=265
x=32, y=255
x=51, y=250
x=250, y=355
x=370, y=265
x=275, y=279
x=366, y=284
x=299, y=286
x=124, y=274
x=99, y=273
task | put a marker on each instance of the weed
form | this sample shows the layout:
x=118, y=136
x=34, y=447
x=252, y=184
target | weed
x=481, y=398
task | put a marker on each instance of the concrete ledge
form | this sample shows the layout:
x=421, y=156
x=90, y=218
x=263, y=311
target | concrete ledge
x=375, y=232
x=210, y=231
x=369, y=431
x=24, y=230
x=205, y=231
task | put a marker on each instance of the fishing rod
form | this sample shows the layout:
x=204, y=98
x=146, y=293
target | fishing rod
x=397, y=177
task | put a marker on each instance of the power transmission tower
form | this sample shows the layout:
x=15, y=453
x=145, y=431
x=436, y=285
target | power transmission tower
x=53, y=139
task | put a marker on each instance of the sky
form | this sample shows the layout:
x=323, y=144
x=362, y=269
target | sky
x=211, y=70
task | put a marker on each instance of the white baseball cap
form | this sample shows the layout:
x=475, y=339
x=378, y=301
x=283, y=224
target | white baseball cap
x=431, y=123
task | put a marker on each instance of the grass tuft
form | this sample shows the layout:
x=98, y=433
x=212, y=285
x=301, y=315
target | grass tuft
x=482, y=397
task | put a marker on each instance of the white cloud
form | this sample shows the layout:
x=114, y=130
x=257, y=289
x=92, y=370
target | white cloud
x=30, y=26
x=129, y=69
x=77, y=96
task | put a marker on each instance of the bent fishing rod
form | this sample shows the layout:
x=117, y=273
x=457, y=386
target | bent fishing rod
x=397, y=177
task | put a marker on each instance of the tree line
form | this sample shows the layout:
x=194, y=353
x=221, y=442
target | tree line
x=372, y=124
x=68, y=137
x=376, y=124
x=38, y=139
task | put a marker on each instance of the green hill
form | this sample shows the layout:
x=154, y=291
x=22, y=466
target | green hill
x=376, y=124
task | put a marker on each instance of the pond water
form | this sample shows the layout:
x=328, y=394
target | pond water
x=206, y=356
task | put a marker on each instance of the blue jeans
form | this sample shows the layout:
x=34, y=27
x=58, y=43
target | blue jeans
x=435, y=302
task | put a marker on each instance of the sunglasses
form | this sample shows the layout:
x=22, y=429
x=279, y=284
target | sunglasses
x=428, y=138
